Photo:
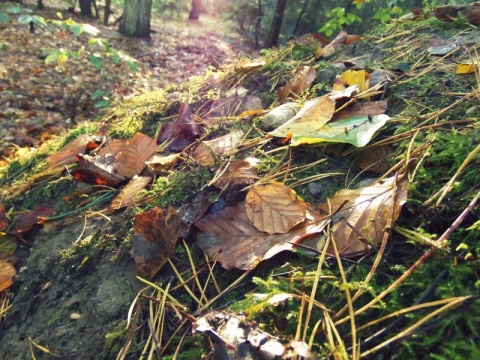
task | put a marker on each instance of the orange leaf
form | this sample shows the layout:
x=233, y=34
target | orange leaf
x=7, y=272
x=131, y=161
x=229, y=237
x=274, y=207
x=3, y=218
x=156, y=233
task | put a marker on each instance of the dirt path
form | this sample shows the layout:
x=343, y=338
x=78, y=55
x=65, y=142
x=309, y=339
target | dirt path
x=38, y=101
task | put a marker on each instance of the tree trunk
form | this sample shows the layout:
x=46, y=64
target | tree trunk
x=85, y=7
x=107, y=12
x=40, y=4
x=195, y=10
x=276, y=23
x=136, y=18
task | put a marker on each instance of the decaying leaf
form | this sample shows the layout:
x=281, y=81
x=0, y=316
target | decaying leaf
x=314, y=114
x=66, y=155
x=182, y=131
x=357, y=130
x=127, y=194
x=301, y=81
x=206, y=151
x=156, y=233
x=274, y=208
x=367, y=214
x=241, y=172
x=341, y=39
x=97, y=170
x=229, y=237
x=7, y=272
x=450, y=12
x=26, y=221
x=234, y=105
x=374, y=158
x=131, y=161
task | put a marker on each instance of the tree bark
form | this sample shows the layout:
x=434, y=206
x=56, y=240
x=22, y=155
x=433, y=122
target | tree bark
x=40, y=4
x=85, y=7
x=107, y=12
x=277, y=20
x=136, y=18
x=195, y=10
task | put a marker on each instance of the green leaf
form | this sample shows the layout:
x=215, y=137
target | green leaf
x=16, y=10
x=357, y=130
x=102, y=104
x=25, y=19
x=4, y=18
x=52, y=57
x=96, y=61
x=8, y=244
x=76, y=29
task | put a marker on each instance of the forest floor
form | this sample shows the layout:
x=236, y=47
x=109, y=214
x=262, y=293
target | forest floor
x=381, y=192
x=40, y=101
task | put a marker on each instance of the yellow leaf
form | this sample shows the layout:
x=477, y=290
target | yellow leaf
x=361, y=78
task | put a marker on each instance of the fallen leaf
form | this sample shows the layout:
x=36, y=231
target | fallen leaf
x=234, y=105
x=301, y=81
x=314, y=114
x=160, y=163
x=207, y=151
x=229, y=237
x=3, y=218
x=7, y=272
x=450, y=12
x=155, y=236
x=466, y=68
x=361, y=78
x=371, y=108
x=66, y=155
x=363, y=220
x=274, y=208
x=26, y=221
x=113, y=147
x=127, y=194
x=182, y=131
x=131, y=161
x=241, y=172
x=374, y=158
x=96, y=170
x=8, y=244
x=357, y=130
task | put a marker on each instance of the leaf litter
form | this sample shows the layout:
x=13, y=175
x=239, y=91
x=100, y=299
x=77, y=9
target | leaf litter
x=273, y=218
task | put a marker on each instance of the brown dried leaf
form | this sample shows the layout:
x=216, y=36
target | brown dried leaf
x=230, y=237
x=7, y=272
x=131, y=161
x=158, y=163
x=182, y=131
x=368, y=213
x=206, y=151
x=274, y=207
x=241, y=172
x=97, y=170
x=113, y=147
x=26, y=221
x=301, y=81
x=374, y=158
x=129, y=191
x=371, y=108
x=66, y=155
x=156, y=233
x=450, y=12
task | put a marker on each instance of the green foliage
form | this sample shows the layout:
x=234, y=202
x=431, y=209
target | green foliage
x=339, y=18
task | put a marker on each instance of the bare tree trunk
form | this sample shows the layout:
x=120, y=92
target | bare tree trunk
x=40, y=4
x=276, y=23
x=136, y=18
x=299, y=18
x=258, y=23
x=195, y=10
x=108, y=11
x=86, y=7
